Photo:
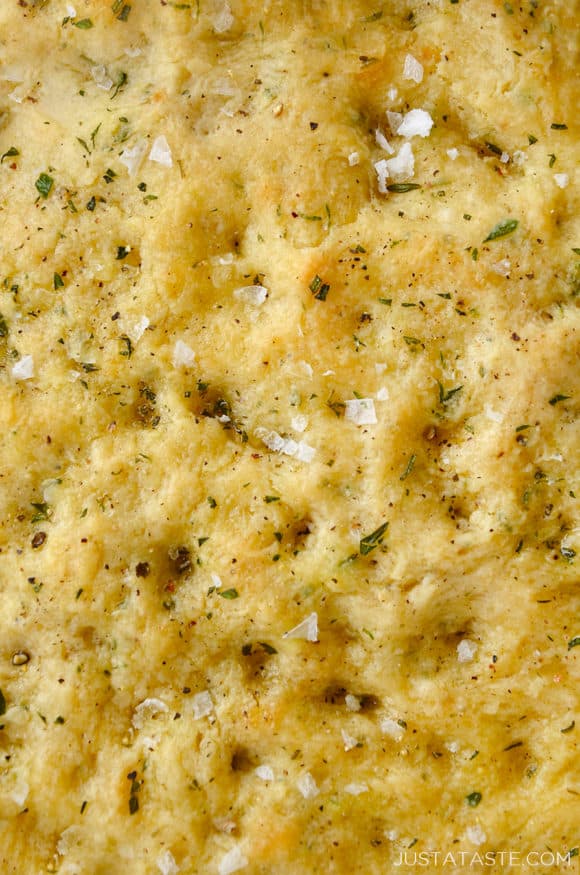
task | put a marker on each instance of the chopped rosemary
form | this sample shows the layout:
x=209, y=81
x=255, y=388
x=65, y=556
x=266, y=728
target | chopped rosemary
x=402, y=187
x=502, y=229
x=409, y=467
x=369, y=542
x=319, y=289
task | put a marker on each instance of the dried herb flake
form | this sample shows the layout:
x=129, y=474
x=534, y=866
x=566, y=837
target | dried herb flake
x=369, y=542
x=502, y=229
x=44, y=184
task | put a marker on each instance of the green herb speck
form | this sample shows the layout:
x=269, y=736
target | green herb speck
x=446, y=395
x=502, y=229
x=369, y=542
x=319, y=289
x=11, y=153
x=473, y=799
x=555, y=399
x=409, y=467
x=44, y=184
x=402, y=187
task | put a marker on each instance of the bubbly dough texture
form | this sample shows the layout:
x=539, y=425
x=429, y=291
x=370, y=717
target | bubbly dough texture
x=288, y=449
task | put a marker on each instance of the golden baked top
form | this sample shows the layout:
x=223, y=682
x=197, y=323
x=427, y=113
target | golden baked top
x=288, y=457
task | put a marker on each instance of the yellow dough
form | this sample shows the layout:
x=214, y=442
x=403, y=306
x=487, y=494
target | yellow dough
x=251, y=385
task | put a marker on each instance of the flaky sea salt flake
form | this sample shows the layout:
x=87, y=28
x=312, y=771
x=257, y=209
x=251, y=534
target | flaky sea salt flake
x=412, y=69
x=307, y=629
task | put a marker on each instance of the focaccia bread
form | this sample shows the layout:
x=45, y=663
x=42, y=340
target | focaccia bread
x=289, y=444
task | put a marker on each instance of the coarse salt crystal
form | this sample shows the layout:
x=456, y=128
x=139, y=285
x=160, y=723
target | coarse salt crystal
x=20, y=793
x=356, y=789
x=255, y=295
x=166, y=863
x=353, y=159
x=101, y=78
x=225, y=88
x=224, y=19
x=139, y=329
x=519, y=157
x=307, y=629
x=504, y=157
x=202, y=705
x=412, y=69
x=160, y=152
x=275, y=442
x=223, y=260
x=466, y=650
x=146, y=709
x=225, y=824
x=307, y=786
x=392, y=728
x=19, y=93
x=382, y=141
x=271, y=439
x=233, y=861
x=416, y=123
x=475, y=834
x=402, y=166
x=290, y=447
x=182, y=354
x=68, y=838
x=453, y=153
x=132, y=158
x=395, y=120
x=299, y=423
x=452, y=746
x=502, y=268
x=216, y=580
x=304, y=452
x=265, y=773
x=70, y=11
x=561, y=179
x=348, y=740
x=492, y=414
x=361, y=411
x=23, y=369
x=352, y=702
x=382, y=394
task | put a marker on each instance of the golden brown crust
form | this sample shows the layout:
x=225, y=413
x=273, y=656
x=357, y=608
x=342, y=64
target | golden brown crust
x=189, y=467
